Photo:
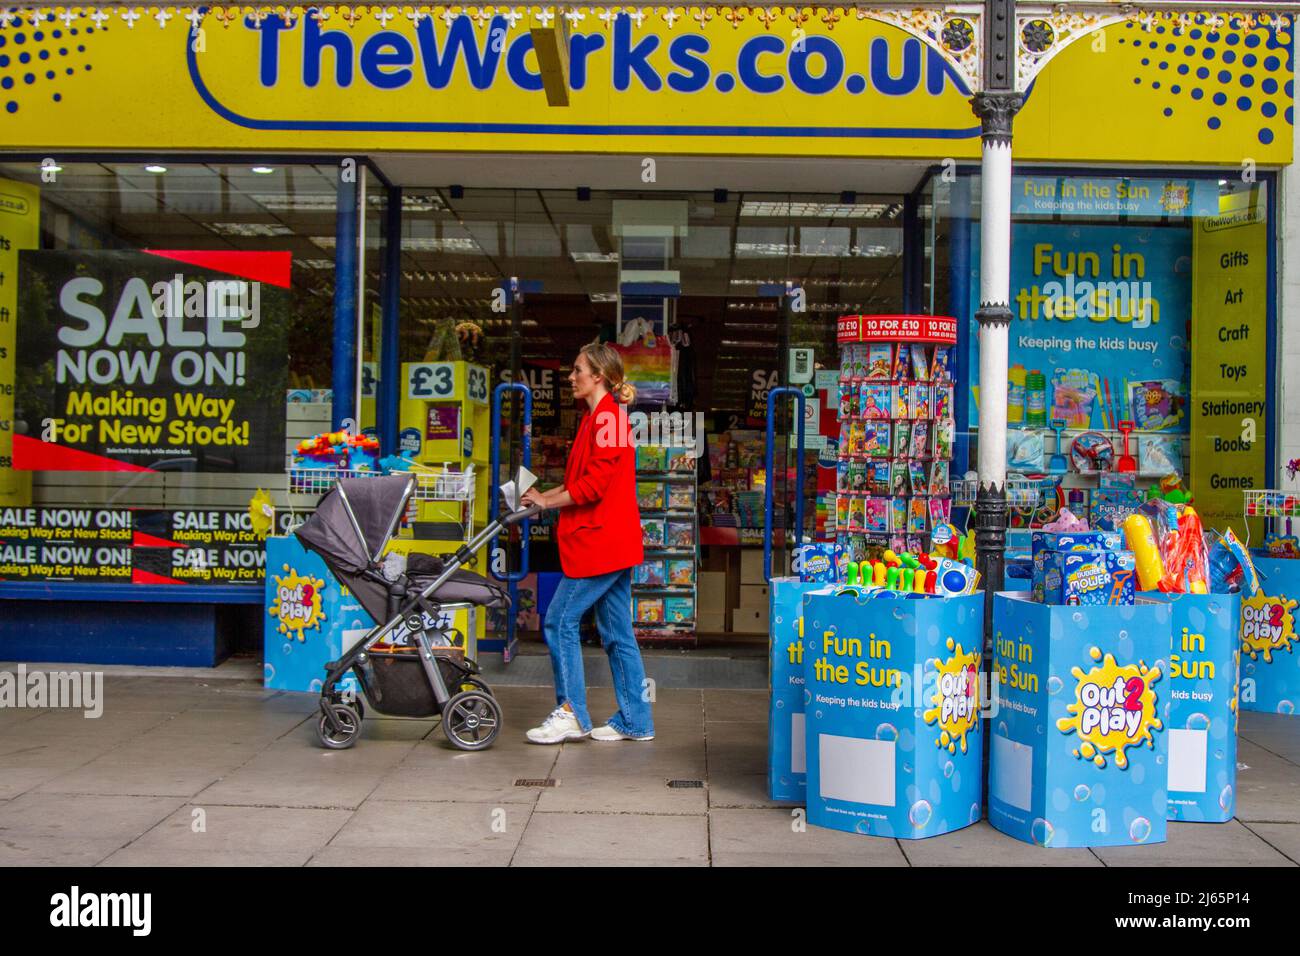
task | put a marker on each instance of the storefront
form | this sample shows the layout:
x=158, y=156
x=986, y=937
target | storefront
x=352, y=199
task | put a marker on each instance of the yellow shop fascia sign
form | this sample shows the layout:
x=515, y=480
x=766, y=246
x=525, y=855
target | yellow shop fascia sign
x=746, y=81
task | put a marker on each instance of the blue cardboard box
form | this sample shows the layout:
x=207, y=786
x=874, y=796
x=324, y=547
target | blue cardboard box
x=822, y=563
x=1088, y=577
x=786, y=765
x=1203, y=670
x=310, y=619
x=892, y=712
x=1074, y=541
x=1270, y=659
x=1079, y=750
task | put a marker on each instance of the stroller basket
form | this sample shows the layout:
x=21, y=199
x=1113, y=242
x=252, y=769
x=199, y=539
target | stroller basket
x=399, y=687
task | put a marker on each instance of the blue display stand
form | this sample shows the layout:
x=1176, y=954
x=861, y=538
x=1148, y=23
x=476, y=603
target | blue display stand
x=892, y=713
x=1203, y=669
x=309, y=619
x=786, y=762
x=1270, y=660
x=1079, y=752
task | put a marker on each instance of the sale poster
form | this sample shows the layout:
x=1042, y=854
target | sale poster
x=152, y=360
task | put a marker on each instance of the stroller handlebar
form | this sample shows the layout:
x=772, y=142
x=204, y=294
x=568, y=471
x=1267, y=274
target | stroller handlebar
x=515, y=517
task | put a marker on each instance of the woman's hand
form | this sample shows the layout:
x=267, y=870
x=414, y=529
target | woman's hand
x=534, y=497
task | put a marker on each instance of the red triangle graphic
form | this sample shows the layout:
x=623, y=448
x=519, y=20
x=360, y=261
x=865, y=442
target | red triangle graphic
x=148, y=577
x=142, y=540
x=269, y=267
x=33, y=455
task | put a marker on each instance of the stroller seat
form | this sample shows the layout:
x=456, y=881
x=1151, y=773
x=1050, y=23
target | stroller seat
x=463, y=587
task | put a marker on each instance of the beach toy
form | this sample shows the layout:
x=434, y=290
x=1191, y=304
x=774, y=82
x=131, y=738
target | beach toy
x=1126, y=463
x=1058, y=465
x=1141, y=540
x=1183, y=552
x=1092, y=452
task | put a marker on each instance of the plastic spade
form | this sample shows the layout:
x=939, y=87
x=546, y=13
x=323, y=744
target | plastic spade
x=1126, y=461
x=1058, y=464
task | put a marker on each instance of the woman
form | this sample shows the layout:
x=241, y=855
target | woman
x=599, y=535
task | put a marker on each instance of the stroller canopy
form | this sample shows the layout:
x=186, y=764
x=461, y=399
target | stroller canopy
x=376, y=504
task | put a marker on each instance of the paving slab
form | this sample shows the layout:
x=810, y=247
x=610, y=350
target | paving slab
x=232, y=830
x=427, y=857
x=1198, y=844
x=620, y=792
x=742, y=705
x=1268, y=788
x=682, y=758
x=982, y=845
x=34, y=850
x=329, y=788
x=620, y=839
x=483, y=783
x=449, y=827
x=741, y=790
x=1283, y=837
x=136, y=856
x=737, y=747
x=775, y=837
x=131, y=770
x=80, y=816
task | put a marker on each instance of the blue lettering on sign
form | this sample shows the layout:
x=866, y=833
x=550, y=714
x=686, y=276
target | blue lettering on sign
x=832, y=65
x=480, y=64
x=387, y=60
x=375, y=61
x=747, y=64
x=629, y=59
x=520, y=75
x=680, y=52
x=907, y=81
x=580, y=47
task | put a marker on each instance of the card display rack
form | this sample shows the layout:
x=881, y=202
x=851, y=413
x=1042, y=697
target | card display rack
x=663, y=585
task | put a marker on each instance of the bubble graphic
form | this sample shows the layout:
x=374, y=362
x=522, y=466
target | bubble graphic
x=807, y=697
x=948, y=768
x=920, y=813
x=1041, y=832
x=1082, y=792
x=907, y=768
x=316, y=685
x=1139, y=830
x=268, y=671
x=975, y=813
x=1054, y=685
x=286, y=649
x=1225, y=799
x=1078, y=617
x=886, y=732
x=1198, y=722
x=780, y=704
x=1285, y=707
x=863, y=826
x=818, y=715
x=1002, y=729
x=1218, y=755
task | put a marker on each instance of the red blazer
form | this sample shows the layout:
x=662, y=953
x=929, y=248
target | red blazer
x=601, y=531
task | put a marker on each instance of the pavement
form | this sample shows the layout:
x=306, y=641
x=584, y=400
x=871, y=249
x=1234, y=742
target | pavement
x=214, y=770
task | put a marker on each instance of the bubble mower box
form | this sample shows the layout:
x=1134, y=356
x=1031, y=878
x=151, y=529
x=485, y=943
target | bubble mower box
x=786, y=765
x=1270, y=661
x=892, y=712
x=1078, y=752
x=1203, y=671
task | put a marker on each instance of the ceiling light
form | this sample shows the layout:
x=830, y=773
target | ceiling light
x=263, y=170
x=155, y=168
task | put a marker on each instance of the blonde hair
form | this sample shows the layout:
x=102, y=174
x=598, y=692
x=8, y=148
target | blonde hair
x=608, y=364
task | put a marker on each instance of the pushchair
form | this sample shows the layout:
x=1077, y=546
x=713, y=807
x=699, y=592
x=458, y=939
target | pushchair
x=413, y=664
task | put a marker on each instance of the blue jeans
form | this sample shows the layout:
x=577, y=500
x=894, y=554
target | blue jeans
x=611, y=594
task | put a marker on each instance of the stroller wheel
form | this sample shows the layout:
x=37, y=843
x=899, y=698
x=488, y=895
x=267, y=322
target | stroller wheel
x=471, y=720
x=350, y=728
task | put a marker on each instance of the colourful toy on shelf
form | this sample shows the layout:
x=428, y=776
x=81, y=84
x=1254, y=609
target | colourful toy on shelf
x=1126, y=462
x=1231, y=568
x=337, y=450
x=1181, y=540
x=1092, y=452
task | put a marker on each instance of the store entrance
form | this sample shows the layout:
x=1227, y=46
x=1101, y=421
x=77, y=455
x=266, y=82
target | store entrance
x=709, y=295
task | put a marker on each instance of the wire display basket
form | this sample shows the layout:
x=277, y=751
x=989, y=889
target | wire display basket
x=432, y=484
x=1271, y=503
x=1021, y=492
x=317, y=481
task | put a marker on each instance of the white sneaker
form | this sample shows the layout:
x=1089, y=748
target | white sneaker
x=560, y=726
x=608, y=733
